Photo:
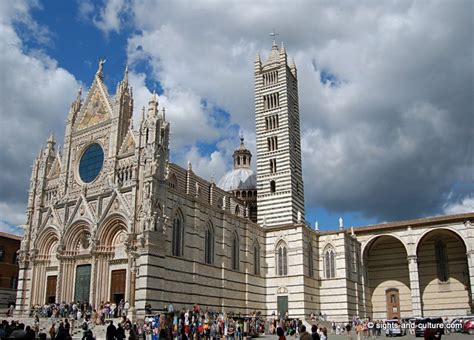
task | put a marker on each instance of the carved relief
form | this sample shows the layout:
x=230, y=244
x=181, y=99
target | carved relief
x=95, y=111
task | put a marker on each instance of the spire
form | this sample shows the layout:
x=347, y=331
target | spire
x=125, y=76
x=257, y=58
x=153, y=104
x=51, y=139
x=282, y=50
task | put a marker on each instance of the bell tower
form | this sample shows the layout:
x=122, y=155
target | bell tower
x=280, y=194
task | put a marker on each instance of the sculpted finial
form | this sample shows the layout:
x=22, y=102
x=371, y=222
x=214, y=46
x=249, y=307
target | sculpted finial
x=101, y=67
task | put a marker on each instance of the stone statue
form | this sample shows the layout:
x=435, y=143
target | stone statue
x=341, y=223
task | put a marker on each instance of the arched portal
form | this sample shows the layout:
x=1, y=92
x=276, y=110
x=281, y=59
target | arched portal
x=443, y=274
x=47, y=265
x=387, y=286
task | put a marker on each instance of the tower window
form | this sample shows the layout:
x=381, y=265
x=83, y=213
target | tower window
x=271, y=101
x=272, y=186
x=310, y=260
x=270, y=78
x=273, y=166
x=272, y=143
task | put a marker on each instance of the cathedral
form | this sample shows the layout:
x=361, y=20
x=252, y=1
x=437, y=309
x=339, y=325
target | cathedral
x=110, y=217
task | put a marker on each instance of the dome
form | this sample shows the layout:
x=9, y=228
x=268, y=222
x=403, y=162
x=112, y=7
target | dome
x=240, y=178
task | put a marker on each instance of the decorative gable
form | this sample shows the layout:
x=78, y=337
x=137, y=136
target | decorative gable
x=128, y=144
x=96, y=108
x=55, y=170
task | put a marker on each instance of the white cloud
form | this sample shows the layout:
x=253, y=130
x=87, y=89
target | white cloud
x=108, y=18
x=388, y=141
x=466, y=205
x=29, y=82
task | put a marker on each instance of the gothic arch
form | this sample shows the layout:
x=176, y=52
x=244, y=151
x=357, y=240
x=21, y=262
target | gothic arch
x=177, y=233
x=46, y=238
x=110, y=228
x=74, y=232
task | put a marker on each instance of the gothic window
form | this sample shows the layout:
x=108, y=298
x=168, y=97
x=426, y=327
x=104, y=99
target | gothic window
x=256, y=258
x=271, y=101
x=329, y=263
x=272, y=186
x=281, y=259
x=209, y=244
x=173, y=181
x=235, y=251
x=310, y=260
x=237, y=209
x=441, y=260
x=178, y=236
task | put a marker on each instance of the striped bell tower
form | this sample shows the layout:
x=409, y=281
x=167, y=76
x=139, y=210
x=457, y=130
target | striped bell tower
x=280, y=198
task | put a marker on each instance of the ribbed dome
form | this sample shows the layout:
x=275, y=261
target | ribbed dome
x=241, y=178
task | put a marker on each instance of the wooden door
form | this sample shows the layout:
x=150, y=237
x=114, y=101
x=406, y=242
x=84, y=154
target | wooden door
x=393, y=303
x=117, y=285
x=51, y=283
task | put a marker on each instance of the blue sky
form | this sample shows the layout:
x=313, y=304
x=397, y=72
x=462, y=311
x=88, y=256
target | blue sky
x=386, y=126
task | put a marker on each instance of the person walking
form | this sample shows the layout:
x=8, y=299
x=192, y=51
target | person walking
x=303, y=334
x=314, y=332
x=110, y=333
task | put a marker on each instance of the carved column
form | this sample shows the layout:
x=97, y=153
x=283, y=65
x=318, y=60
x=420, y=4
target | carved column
x=414, y=286
x=92, y=295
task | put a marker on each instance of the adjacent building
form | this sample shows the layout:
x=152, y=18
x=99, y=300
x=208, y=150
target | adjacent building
x=9, y=245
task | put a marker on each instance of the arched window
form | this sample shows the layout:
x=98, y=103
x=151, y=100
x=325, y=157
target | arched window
x=235, y=252
x=173, y=181
x=329, y=263
x=237, y=209
x=310, y=259
x=209, y=245
x=272, y=186
x=256, y=258
x=441, y=260
x=282, y=259
x=178, y=236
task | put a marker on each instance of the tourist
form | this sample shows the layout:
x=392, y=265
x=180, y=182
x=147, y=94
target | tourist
x=280, y=333
x=324, y=334
x=303, y=334
x=110, y=333
x=120, y=332
x=18, y=333
x=314, y=332
x=52, y=331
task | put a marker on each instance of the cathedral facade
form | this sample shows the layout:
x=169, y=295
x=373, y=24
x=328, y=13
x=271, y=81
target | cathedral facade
x=111, y=218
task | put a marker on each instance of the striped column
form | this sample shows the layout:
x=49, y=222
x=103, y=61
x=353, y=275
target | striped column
x=415, y=286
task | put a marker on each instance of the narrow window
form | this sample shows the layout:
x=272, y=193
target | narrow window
x=235, y=252
x=441, y=260
x=272, y=186
x=310, y=260
x=256, y=259
x=209, y=245
x=282, y=259
x=178, y=239
x=329, y=264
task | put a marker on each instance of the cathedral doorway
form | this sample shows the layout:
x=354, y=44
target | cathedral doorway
x=282, y=304
x=83, y=283
x=117, y=285
x=393, y=304
x=51, y=283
